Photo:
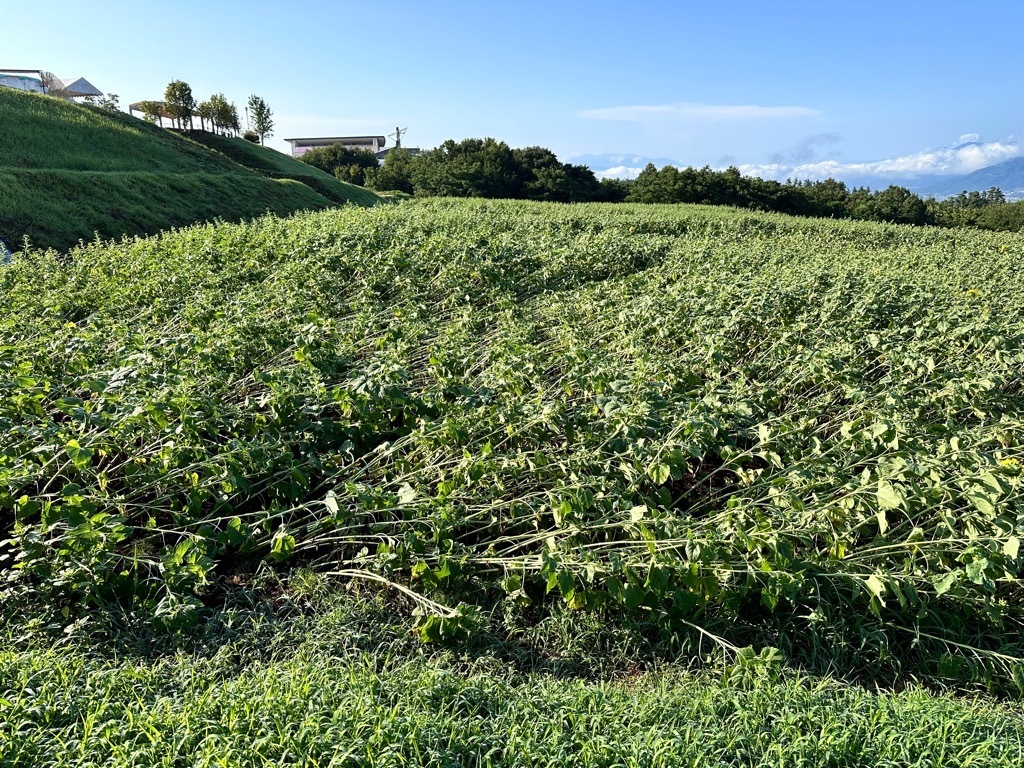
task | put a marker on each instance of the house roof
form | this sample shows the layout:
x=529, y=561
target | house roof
x=81, y=87
x=338, y=139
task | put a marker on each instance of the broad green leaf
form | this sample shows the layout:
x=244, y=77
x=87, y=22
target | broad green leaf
x=982, y=503
x=991, y=483
x=875, y=585
x=660, y=473
x=889, y=496
x=566, y=583
x=282, y=545
x=945, y=583
x=1012, y=547
x=634, y=596
x=80, y=456
x=883, y=521
x=976, y=570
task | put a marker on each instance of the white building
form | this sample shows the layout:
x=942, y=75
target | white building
x=23, y=80
x=373, y=143
x=38, y=81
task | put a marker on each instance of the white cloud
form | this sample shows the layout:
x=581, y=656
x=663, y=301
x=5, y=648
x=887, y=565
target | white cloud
x=962, y=158
x=618, y=172
x=707, y=113
x=765, y=171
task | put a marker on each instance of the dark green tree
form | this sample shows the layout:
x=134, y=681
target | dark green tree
x=395, y=174
x=152, y=111
x=179, y=103
x=657, y=186
x=469, y=168
x=614, y=190
x=544, y=177
x=207, y=111
x=899, y=205
x=347, y=163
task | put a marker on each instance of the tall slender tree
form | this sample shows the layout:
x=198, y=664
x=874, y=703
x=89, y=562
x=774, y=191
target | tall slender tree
x=261, y=116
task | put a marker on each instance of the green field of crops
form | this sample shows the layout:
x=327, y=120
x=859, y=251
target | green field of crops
x=757, y=443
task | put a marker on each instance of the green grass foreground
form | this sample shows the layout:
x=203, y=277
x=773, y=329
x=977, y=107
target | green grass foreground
x=346, y=687
x=70, y=172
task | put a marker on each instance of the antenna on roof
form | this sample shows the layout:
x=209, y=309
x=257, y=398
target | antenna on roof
x=397, y=136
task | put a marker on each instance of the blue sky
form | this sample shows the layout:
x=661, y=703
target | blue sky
x=764, y=85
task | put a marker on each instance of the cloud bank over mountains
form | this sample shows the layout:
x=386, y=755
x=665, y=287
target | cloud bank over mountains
x=967, y=155
x=804, y=161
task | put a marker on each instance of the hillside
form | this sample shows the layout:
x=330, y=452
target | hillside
x=275, y=165
x=69, y=172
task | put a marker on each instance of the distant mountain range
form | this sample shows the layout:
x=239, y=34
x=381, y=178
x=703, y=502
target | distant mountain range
x=1007, y=176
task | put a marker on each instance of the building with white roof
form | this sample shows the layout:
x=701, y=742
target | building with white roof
x=373, y=143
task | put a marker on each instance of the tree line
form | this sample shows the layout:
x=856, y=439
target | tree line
x=469, y=168
x=181, y=108
x=490, y=168
x=829, y=198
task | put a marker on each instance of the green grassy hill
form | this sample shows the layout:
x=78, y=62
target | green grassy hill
x=70, y=172
x=275, y=165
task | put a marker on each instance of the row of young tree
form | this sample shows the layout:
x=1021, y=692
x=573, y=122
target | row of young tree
x=181, y=108
x=490, y=168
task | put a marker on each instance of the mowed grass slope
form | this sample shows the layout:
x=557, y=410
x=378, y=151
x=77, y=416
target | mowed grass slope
x=69, y=172
x=276, y=165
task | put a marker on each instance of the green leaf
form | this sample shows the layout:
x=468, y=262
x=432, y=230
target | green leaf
x=1012, y=547
x=976, y=570
x=80, y=456
x=889, y=496
x=875, y=585
x=566, y=583
x=660, y=473
x=883, y=521
x=991, y=483
x=982, y=503
x=282, y=545
x=634, y=596
x=947, y=582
